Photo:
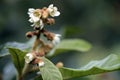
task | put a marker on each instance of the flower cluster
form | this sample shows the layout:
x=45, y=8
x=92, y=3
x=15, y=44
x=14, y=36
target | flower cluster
x=39, y=18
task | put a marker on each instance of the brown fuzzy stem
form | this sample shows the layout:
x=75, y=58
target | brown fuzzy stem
x=37, y=41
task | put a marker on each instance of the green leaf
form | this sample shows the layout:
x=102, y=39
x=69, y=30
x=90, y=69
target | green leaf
x=74, y=44
x=22, y=46
x=71, y=44
x=72, y=31
x=49, y=71
x=18, y=59
x=108, y=64
x=4, y=51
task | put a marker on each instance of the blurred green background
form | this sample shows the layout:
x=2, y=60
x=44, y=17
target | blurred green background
x=97, y=21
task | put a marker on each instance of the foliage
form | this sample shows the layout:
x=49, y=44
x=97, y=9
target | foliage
x=18, y=59
x=51, y=71
x=110, y=63
x=71, y=45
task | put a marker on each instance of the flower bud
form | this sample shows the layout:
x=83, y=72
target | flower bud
x=29, y=34
x=41, y=52
x=50, y=21
x=48, y=35
x=36, y=28
x=59, y=64
x=44, y=13
x=39, y=61
x=48, y=47
x=35, y=33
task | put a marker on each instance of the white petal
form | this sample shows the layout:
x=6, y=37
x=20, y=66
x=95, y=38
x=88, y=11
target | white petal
x=38, y=24
x=57, y=13
x=31, y=9
x=35, y=19
x=55, y=8
x=40, y=64
x=56, y=39
x=41, y=24
x=55, y=42
x=32, y=25
x=31, y=15
x=31, y=20
x=58, y=35
x=28, y=58
x=50, y=6
x=50, y=10
x=52, y=14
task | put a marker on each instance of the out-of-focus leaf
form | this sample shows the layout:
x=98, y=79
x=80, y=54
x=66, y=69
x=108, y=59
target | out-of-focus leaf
x=72, y=31
x=74, y=44
x=110, y=63
x=8, y=70
x=4, y=50
x=18, y=59
x=49, y=71
x=22, y=46
x=79, y=78
x=71, y=44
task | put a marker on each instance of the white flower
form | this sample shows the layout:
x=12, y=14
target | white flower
x=38, y=24
x=53, y=11
x=34, y=15
x=40, y=64
x=29, y=57
x=56, y=39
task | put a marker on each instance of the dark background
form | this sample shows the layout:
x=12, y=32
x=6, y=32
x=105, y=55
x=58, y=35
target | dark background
x=97, y=21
